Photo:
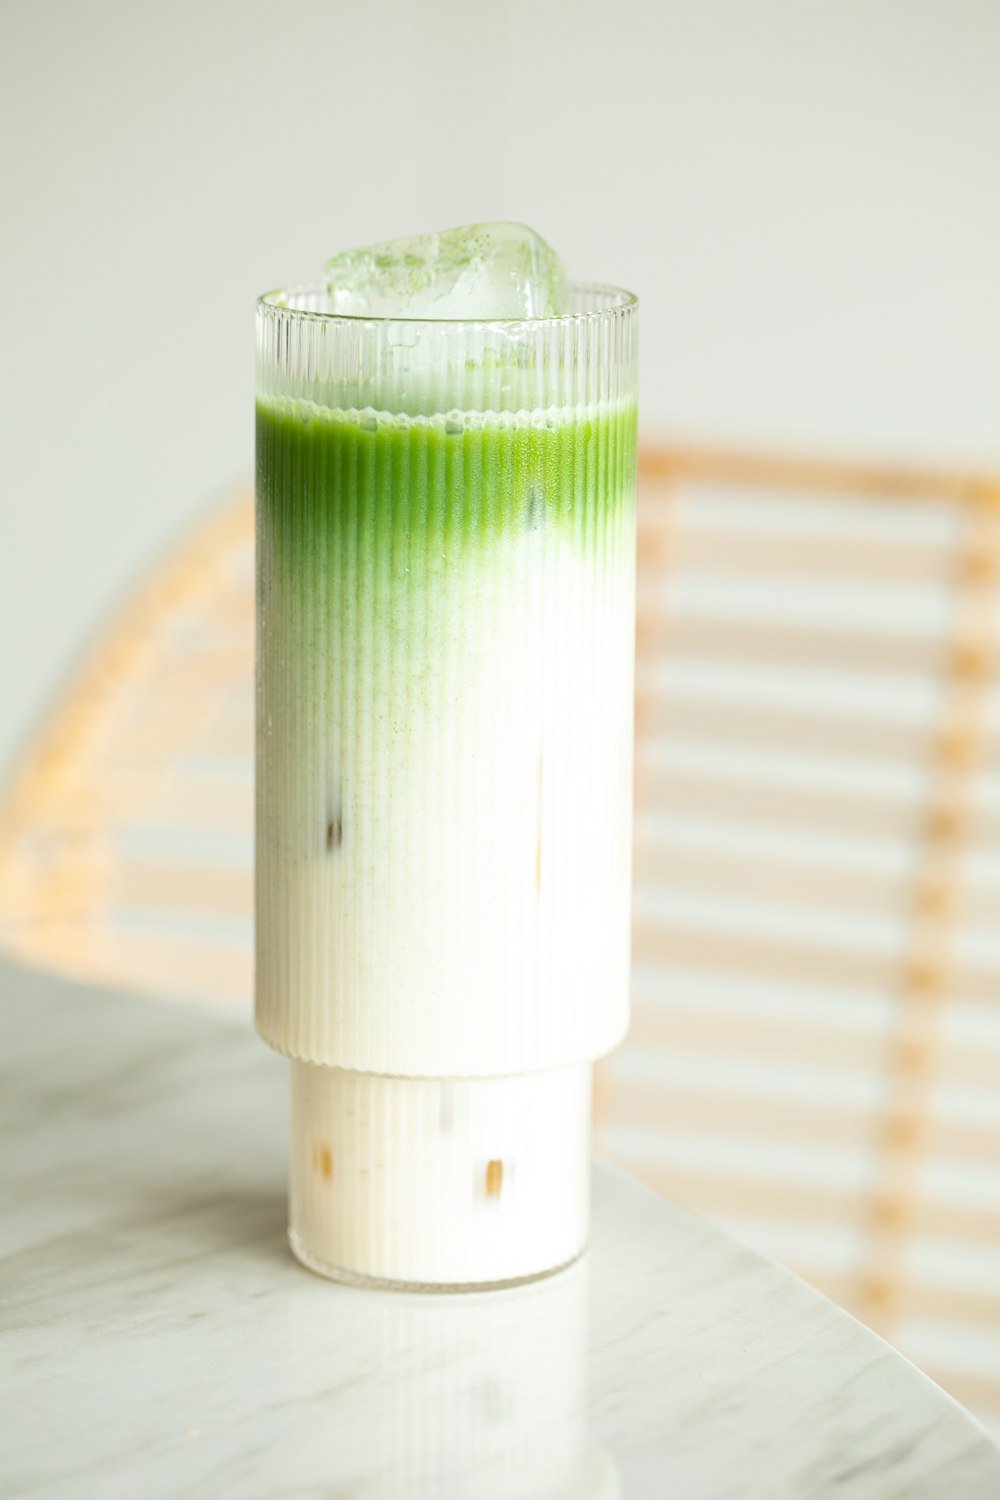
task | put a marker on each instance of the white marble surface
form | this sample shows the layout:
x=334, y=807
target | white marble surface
x=158, y=1339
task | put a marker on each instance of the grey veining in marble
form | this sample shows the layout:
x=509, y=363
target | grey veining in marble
x=159, y=1340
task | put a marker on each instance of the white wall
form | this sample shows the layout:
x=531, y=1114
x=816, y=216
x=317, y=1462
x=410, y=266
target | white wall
x=806, y=196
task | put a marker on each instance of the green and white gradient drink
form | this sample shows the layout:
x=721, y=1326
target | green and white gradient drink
x=446, y=553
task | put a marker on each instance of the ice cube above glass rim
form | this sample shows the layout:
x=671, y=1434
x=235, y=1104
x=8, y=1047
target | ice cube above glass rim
x=482, y=272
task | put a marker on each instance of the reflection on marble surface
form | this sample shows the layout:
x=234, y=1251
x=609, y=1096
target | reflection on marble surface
x=159, y=1339
x=481, y=1395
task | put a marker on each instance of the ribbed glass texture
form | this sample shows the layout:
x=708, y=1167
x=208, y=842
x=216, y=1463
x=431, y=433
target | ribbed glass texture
x=446, y=563
x=439, y=1182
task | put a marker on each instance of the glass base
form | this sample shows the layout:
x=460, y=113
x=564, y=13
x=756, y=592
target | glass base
x=439, y=1183
x=386, y=1284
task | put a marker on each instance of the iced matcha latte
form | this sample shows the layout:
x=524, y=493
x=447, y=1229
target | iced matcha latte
x=446, y=550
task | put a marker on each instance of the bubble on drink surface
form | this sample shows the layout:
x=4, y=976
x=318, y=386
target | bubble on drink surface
x=480, y=271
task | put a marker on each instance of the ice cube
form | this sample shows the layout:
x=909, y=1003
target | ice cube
x=485, y=271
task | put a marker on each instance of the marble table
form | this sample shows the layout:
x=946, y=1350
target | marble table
x=159, y=1340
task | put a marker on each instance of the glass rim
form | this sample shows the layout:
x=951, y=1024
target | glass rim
x=623, y=301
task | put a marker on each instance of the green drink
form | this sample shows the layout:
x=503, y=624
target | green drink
x=446, y=538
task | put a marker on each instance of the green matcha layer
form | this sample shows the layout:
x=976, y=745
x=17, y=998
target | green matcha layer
x=341, y=487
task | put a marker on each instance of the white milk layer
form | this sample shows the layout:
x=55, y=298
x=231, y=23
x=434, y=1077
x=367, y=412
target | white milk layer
x=444, y=814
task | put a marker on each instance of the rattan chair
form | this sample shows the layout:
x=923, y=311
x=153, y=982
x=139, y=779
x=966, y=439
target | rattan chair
x=815, y=1053
x=126, y=834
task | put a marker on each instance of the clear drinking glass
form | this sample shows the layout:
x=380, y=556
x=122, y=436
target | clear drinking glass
x=446, y=566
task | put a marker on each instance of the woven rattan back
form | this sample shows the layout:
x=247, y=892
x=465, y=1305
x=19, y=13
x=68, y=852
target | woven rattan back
x=126, y=835
x=815, y=1052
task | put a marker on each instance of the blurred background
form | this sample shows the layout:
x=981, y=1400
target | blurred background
x=806, y=195
x=807, y=198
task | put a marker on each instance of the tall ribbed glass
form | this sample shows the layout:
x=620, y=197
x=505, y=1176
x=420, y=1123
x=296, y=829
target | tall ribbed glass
x=446, y=558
